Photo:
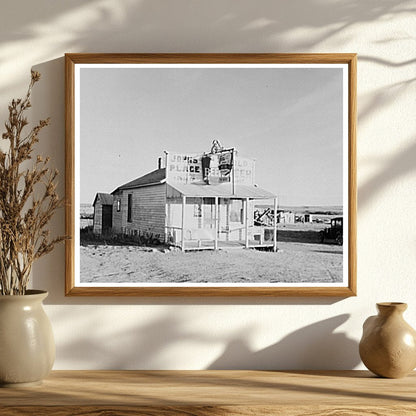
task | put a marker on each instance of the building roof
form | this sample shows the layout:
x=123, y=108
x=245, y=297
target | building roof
x=105, y=199
x=153, y=178
x=224, y=190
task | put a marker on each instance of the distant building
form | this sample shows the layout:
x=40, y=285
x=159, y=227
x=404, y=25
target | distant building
x=287, y=217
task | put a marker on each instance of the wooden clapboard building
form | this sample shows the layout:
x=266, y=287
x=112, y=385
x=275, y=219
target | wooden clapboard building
x=196, y=201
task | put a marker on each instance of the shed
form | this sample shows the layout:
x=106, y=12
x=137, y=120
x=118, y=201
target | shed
x=103, y=213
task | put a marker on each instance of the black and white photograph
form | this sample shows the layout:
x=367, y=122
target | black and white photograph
x=227, y=175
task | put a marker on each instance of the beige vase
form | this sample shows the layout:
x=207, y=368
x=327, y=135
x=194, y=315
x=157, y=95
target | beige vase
x=388, y=345
x=27, y=347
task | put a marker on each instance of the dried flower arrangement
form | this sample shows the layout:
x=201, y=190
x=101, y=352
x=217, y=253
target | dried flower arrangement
x=28, y=199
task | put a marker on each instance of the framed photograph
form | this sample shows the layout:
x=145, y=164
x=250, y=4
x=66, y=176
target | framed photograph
x=211, y=174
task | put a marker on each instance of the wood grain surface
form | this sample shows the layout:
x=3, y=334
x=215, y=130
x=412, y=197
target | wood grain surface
x=202, y=393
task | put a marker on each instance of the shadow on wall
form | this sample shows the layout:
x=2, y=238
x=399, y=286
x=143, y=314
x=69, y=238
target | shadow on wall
x=48, y=100
x=150, y=26
x=398, y=165
x=142, y=347
x=153, y=344
x=314, y=347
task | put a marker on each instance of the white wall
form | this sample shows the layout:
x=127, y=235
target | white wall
x=198, y=333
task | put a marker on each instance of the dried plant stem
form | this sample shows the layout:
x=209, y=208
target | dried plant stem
x=23, y=217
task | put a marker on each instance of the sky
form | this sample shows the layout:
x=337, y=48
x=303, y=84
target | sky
x=290, y=120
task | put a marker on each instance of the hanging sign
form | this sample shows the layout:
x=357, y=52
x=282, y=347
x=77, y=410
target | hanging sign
x=225, y=162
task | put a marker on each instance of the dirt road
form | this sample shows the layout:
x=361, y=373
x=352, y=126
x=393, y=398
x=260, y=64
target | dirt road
x=293, y=263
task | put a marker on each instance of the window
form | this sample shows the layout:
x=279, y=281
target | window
x=129, y=207
x=118, y=205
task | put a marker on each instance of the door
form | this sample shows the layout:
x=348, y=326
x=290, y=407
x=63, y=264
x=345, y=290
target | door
x=107, y=219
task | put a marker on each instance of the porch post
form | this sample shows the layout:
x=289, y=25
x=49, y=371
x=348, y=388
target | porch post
x=275, y=226
x=167, y=220
x=216, y=224
x=227, y=220
x=183, y=222
x=246, y=220
x=233, y=170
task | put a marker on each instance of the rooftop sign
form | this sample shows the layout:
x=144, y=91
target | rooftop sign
x=209, y=168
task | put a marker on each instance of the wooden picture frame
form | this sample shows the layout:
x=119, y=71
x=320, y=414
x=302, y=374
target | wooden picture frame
x=298, y=108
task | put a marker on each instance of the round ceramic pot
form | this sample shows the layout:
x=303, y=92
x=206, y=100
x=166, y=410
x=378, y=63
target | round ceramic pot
x=388, y=345
x=27, y=347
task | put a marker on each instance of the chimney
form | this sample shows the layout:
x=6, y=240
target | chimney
x=159, y=163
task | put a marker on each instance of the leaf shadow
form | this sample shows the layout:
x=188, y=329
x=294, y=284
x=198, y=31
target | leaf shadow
x=399, y=165
x=313, y=347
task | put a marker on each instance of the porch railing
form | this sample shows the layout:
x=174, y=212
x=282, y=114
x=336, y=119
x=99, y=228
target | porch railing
x=204, y=238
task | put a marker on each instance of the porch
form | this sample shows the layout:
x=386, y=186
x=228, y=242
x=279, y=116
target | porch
x=214, y=217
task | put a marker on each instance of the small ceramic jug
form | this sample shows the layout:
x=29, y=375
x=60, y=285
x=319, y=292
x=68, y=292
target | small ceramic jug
x=388, y=345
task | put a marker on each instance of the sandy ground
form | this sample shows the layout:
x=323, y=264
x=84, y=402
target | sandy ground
x=293, y=263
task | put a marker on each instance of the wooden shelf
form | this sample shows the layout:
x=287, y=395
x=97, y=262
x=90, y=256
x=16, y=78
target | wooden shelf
x=202, y=393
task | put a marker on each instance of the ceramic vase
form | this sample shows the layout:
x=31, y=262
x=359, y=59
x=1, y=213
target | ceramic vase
x=27, y=347
x=388, y=345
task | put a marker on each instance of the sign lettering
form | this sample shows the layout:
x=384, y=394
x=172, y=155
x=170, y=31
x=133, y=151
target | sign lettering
x=209, y=169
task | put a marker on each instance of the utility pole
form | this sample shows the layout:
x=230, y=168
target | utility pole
x=233, y=169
